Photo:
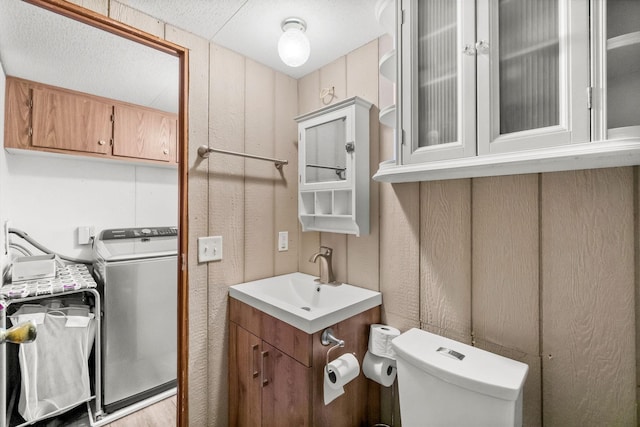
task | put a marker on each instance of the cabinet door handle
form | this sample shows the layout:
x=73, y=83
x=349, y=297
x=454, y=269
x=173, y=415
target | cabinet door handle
x=265, y=380
x=469, y=50
x=101, y=142
x=255, y=370
x=165, y=151
x=482, y=47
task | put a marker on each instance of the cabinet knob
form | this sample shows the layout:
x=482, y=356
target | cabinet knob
x=482, y=47
x=469, y=50
x=102, y=142
x=165, y=151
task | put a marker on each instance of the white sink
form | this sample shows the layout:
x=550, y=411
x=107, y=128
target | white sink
x=300, y=301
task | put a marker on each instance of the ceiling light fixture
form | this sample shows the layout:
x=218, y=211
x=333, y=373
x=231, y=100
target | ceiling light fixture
x=293, y=46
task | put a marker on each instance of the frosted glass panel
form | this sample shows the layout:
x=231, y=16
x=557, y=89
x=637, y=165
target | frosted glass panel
x=623, y=67
x=325, y=155
x=528, y=57
x=437, y=72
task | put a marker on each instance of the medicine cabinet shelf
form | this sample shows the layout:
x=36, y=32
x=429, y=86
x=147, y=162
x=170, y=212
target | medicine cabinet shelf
x=388, y=65
x=333, y=154
x=387, y=116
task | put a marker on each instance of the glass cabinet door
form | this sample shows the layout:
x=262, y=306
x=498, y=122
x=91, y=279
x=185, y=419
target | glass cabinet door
x=533, y=74
x=617, y=70
x=438, y=80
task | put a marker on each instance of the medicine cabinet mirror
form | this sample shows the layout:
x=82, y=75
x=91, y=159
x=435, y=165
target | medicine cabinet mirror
x=65, y=45
x=326, y=155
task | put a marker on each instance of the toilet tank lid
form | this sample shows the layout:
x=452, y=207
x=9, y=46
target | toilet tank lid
x=478, y=371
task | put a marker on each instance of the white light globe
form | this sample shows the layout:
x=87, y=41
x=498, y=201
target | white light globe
x=294, y=47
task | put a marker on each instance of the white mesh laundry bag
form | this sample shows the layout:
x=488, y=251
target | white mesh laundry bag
x=54, y=368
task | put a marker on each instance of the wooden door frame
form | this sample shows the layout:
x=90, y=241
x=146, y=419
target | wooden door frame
x=105, y=23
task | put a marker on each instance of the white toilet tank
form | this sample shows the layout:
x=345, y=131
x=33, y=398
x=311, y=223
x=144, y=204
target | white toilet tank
x=443, y=382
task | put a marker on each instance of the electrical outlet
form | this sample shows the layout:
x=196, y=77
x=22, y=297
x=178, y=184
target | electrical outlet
x=85, y=233
x=209, y=248
x=283, y=241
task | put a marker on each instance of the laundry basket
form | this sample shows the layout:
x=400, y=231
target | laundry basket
x=54, y=368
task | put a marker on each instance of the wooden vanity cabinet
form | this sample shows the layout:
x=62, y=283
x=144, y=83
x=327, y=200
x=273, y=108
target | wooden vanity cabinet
x=45, y=118
x=276, y=372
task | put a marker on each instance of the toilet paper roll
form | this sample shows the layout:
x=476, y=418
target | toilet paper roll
x=379, y=369
x=380, y=337
x=338, y=373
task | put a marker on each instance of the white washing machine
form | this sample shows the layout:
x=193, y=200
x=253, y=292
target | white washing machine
x=137, y=274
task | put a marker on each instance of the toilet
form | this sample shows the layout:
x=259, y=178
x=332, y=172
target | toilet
x=443, y=382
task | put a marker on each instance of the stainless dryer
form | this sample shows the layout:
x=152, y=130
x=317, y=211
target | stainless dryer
x=137, y=274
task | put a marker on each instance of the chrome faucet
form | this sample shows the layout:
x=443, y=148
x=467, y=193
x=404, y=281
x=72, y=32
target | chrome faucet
x=326, y=271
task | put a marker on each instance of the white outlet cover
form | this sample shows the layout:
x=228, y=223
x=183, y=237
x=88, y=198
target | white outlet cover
x=209, y=248
x=283, y=241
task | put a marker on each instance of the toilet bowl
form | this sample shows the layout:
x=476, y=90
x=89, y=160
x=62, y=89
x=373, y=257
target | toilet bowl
x=443, y=382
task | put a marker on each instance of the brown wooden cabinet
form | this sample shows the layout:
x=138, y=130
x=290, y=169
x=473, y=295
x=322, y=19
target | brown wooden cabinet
x=276, y=373
x=45, y=118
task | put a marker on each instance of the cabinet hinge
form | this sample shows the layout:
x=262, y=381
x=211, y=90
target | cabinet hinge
x=402, y=16
x=590, y=97
x=403, y=137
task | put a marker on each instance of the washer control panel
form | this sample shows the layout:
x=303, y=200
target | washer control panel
x=133, y=233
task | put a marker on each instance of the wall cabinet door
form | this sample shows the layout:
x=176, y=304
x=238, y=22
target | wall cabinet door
x=488, y=77
x=69, y=122
x=533, y=74
x=438, y=84
x=144, y=134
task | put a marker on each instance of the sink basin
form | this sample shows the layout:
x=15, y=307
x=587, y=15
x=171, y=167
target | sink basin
x=298, y=300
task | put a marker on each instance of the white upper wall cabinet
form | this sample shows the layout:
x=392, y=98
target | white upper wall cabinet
x=333, y=162
x=491, y=87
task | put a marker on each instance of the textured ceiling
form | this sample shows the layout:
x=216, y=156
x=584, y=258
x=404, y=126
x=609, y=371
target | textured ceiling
x=38, y=45
x=252, y=27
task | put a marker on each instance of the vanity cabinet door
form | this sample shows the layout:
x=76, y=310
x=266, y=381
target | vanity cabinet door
x=67, y=121
x=144, y=134
x=286, y=390
x=245, y=388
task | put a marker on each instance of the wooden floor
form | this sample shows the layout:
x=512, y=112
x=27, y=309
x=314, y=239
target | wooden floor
x=160, y=414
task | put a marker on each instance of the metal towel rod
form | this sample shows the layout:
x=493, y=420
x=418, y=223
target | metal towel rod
x=204, y=151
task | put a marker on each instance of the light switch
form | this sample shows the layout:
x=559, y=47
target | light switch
x=283, y=241
x=209, y=248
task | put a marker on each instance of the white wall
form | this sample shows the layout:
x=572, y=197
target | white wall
x=50, y=196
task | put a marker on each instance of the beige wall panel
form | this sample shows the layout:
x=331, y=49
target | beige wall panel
x=226, y=177
x=445, y=257
x=308, y=100
x=309, y=93
x=334, y=75
x=99, y=6
x=226, y=207
x=363, y=252
x=286, y=185
x=126, y=15
x=505, y=307
x=198, y=223
x=260, y=239
x=588, y=323
x=400, y=252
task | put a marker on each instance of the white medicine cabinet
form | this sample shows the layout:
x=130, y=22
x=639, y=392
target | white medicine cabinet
x=490, y=87
x=333, y=168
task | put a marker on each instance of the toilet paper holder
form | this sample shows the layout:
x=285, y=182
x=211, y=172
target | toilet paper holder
x=328, y=338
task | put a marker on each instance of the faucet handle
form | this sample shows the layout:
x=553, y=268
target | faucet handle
x=327, y=250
